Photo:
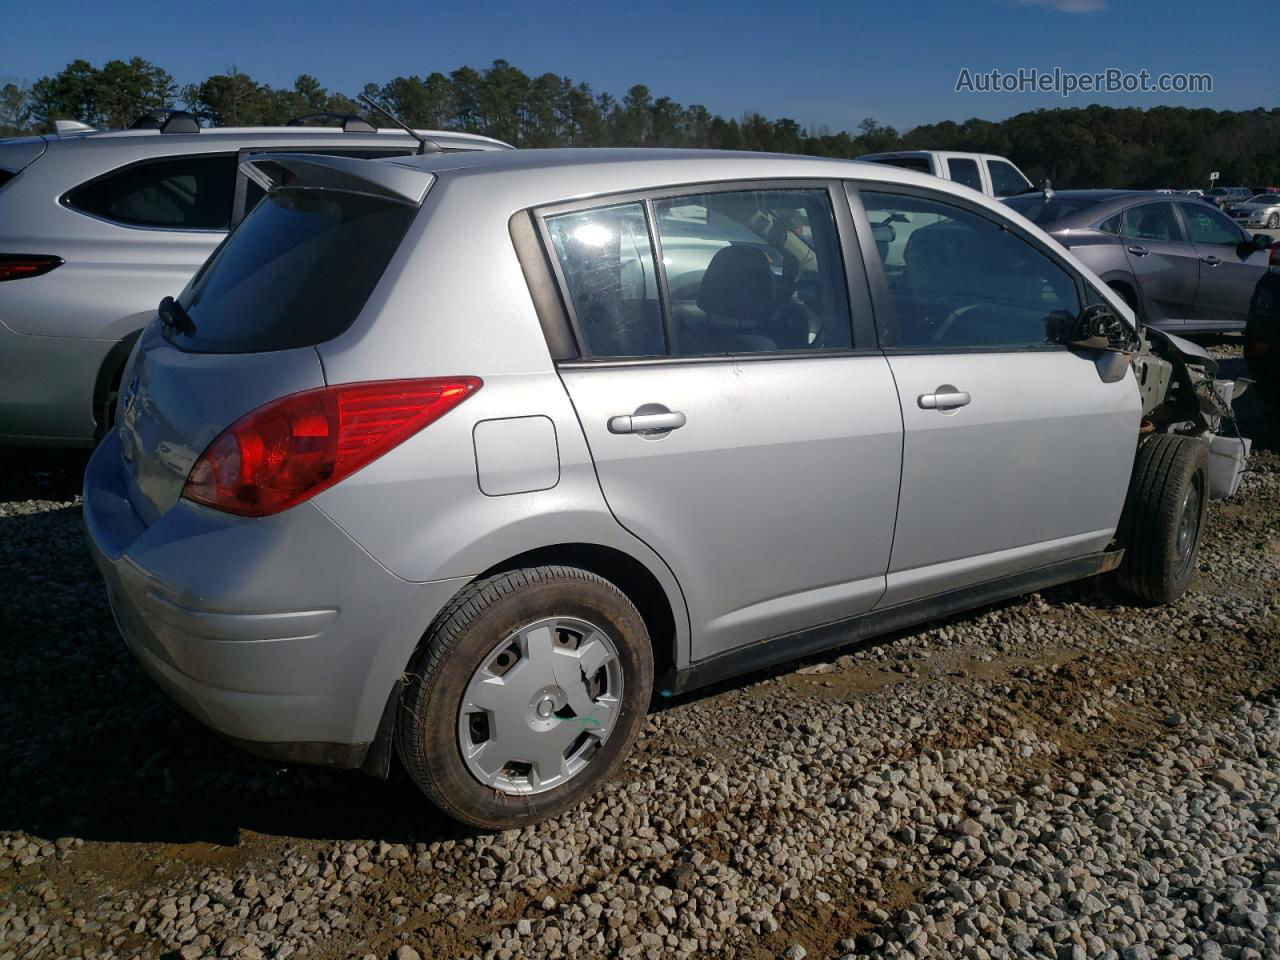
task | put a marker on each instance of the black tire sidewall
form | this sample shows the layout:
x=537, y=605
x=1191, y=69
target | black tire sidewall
x=1165, y=468
x=427, y=732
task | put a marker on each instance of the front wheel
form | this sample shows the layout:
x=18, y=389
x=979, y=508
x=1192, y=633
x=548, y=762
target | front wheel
x=525, y=696
x=1273, y=221
x=1163, y=518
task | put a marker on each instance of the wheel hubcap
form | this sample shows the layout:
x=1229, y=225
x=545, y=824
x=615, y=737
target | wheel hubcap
x=1189, y=525
x=540, y=705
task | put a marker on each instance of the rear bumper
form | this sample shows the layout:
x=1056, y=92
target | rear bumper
x=280, y=632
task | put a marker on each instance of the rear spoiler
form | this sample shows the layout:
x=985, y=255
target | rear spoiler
x=392, y=181
x=19, y=153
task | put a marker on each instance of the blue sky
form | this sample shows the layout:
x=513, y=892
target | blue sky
x=820, y=62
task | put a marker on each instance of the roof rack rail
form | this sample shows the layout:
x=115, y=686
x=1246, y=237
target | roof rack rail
x=72, y=126
x=167, y=120
x=350, y=122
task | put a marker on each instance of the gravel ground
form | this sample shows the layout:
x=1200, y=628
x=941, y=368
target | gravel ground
x=1057, y=776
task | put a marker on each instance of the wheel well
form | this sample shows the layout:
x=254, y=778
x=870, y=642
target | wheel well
x=109, y=375
x=1127, y=291
x=628, y=574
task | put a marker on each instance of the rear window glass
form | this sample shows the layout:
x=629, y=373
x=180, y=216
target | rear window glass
x=907, y=163
x=1040, y=211
x=295, y=273
x=965, y=171
x=180, y=193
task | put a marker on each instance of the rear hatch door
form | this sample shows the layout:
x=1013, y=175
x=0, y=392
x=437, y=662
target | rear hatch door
x=295, y=273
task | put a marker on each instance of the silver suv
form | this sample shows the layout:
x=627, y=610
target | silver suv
x=95, y=227
x=467, y=456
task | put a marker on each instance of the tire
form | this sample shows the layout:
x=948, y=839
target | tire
x=1163, y=518
x=1273, y=221
x=503, y=617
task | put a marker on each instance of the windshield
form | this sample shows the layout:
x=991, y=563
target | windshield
x=295, y=273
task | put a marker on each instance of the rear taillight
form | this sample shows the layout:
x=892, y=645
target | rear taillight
x=15, y=266
x=290, y=449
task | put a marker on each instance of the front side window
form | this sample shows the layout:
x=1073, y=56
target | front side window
x=1208, y=227
x=753, y=271
x=177, y=193
x=961, y=281
x=965, y=171
x=1006, y=181
x=1151, y=221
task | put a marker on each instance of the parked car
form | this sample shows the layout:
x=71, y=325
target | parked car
x=1226, y=196
x=96, y=226
x=1261, y=210
x=987, y=173
x=1198, y=194
x=1262, y=333
x=1181, y=265
x=432, y=455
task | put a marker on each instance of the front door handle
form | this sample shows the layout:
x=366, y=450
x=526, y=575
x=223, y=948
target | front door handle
x=1138, y=251
x=647, y=422
x=1211, y=260
x=948, y=398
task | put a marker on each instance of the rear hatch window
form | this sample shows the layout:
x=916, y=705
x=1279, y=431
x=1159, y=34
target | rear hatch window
x=907, y=163
x=295, y=273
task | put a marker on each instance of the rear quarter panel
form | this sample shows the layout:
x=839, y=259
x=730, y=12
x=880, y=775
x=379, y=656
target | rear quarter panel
x=447, y=308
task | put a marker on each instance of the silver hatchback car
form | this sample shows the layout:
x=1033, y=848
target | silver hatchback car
x=97, y=226
x=466, y=457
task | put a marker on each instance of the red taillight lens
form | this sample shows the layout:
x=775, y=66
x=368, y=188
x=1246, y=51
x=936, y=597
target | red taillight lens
x=292, y=448
x=15, y=266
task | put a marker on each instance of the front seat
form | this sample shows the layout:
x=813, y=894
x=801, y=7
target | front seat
x=737, y=298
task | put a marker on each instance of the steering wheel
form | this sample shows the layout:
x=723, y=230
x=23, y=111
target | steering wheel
x=939, y=335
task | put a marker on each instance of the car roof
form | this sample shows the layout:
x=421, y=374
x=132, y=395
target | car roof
x=659, y=165
x=540, y=177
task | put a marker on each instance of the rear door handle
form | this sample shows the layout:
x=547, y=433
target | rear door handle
x=1211, y=260
x=943, y=400
x=646, y=422
x=1138, y=251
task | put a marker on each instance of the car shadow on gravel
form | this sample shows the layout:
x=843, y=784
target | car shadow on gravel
x=91, y=748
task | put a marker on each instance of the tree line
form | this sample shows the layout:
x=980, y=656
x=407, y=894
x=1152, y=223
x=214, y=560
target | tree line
x=1090, y=146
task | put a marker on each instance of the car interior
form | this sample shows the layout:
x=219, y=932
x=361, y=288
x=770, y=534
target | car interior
x=748, y=272
x=962, y=281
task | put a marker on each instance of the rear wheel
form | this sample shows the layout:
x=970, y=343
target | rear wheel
x=1163, y=519
x=525, y=696
x=1273, y=221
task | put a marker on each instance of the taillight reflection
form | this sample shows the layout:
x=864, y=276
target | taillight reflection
x=16, y=266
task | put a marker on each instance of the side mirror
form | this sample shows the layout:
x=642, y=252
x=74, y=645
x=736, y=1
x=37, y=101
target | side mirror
x=1096, y=327
x=1247, y=248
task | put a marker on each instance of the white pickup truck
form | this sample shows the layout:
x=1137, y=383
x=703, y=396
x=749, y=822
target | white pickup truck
x=984, y=172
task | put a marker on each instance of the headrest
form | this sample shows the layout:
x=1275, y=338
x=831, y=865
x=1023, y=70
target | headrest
x=739, y=284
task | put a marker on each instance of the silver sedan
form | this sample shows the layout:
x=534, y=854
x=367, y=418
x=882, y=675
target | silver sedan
x=1262, y=210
